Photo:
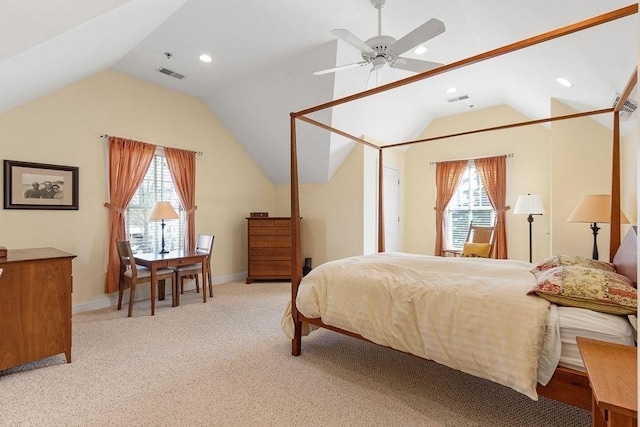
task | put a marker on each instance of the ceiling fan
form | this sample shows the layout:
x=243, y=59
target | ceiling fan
x=381, y=49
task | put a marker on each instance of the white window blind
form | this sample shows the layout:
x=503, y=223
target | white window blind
x=469, y=203
x=146, y=236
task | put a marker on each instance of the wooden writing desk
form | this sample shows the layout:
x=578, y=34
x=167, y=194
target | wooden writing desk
x=612, y=370
x=154, y=261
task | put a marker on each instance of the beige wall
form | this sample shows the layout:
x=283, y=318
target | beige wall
x=581, y=165
x=333, y=220
x=561, y=162
x=547, y=160
x=629, y=176
x=64, y=128
x=527, y=172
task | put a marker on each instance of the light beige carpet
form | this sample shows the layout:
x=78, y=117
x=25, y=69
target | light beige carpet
x=227, y=363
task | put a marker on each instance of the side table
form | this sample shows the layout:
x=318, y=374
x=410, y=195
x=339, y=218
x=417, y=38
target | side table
x=613, y=376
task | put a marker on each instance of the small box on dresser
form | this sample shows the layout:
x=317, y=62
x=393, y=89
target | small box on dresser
x=269, y=248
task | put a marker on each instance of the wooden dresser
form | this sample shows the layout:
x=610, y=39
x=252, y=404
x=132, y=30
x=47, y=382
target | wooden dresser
x=35, y=305
x=269, y=247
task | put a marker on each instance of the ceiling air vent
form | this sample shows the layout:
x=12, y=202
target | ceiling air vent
x=628, y=109
x=458, y=98
x=168, y=72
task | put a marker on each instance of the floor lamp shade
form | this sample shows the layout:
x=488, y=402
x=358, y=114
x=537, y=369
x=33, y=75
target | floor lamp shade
x=593, y=209
x=531, y=205
x=160, y=212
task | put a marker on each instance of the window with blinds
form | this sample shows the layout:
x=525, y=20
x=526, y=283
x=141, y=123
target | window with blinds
x=146, y=236
x=469, y=203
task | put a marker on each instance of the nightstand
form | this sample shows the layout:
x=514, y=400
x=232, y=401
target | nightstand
x=612, y=370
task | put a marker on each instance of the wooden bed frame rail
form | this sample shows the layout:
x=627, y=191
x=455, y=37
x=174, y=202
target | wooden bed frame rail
x=567, y=385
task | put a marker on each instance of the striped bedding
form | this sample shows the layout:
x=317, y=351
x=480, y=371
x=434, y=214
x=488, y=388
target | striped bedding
x=470, y=314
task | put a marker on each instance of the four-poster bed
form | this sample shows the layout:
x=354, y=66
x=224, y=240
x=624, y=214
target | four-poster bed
x=567, y=385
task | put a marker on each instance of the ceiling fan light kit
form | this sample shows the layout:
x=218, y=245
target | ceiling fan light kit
x=383, y=49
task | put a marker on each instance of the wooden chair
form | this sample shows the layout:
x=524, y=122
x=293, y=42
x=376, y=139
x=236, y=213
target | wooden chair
x=482, y=234
x=203, y=244
x=132, y=274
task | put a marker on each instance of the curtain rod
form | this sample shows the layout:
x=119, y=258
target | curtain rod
x=198, y=153
x=508, y=156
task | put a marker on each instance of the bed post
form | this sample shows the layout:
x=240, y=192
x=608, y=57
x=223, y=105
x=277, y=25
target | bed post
x=615, y=232
x=614, y=237
x=380, y=202
x=296, y=250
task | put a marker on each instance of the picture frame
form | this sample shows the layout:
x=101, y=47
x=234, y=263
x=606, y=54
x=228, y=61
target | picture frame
x=40, y=186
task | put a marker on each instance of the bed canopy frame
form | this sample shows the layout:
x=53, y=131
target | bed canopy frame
x=567, y=385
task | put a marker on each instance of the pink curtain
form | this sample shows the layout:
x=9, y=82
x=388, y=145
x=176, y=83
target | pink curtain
x=448, y=175
x=493, y=174
x=182, y=165
x=128, y=163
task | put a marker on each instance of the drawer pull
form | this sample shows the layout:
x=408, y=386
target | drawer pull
x=1, y=270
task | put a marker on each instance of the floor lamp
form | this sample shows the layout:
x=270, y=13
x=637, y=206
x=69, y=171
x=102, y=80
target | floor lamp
x=595, y=208
x=531, y=205
x=162, y=211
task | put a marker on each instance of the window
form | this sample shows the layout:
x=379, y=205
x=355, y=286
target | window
x=469, y=203
x=157, y=185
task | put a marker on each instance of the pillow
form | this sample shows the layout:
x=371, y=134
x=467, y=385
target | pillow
x=476, y=250
x=566, y=260
x=586, y=287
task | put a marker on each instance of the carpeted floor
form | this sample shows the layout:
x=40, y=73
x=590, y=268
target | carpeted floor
x=227, y=363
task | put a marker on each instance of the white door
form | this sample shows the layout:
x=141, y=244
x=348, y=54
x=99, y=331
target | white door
x=391, y=209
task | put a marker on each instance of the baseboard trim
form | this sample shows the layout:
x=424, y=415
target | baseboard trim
x=111, y=300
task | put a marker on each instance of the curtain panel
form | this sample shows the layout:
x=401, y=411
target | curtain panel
x=448, y=175
x=493, y=174
x=128, y=164
x=182, y=165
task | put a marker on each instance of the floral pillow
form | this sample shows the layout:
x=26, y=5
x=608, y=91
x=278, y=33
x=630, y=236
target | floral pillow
x=585, y=287
x=566, y=260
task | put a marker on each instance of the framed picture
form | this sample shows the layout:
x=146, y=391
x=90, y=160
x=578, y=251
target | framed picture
x=40, y=186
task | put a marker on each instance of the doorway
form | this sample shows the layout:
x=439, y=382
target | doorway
x=391, y=209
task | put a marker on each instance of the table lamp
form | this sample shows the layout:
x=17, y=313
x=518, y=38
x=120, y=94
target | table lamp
x=595, y=208
x=162, y=211
x=531, y=205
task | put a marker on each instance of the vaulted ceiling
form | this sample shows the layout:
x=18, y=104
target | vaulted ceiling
x=264, y=54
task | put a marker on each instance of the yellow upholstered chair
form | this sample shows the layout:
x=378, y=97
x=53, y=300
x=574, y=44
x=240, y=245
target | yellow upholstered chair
x=479, y=242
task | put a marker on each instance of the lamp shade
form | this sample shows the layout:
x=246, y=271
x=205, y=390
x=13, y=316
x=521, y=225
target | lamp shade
x=595, y=208
x=531, y=204
x=163, y=210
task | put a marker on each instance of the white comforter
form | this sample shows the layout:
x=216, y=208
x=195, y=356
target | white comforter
x=470, y=314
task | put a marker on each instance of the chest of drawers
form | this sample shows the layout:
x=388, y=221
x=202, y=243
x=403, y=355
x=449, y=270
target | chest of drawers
x=269, y=248
x=35, y=305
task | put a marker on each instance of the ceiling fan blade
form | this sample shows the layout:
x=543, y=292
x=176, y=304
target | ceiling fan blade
x=347, y=36
x=415, y=65
x=424, y=32
x=340, y=68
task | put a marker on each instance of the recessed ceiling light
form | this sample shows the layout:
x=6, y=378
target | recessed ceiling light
x=205, y=58
x=419, y=50
x=564, y=81
x=451, y=90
